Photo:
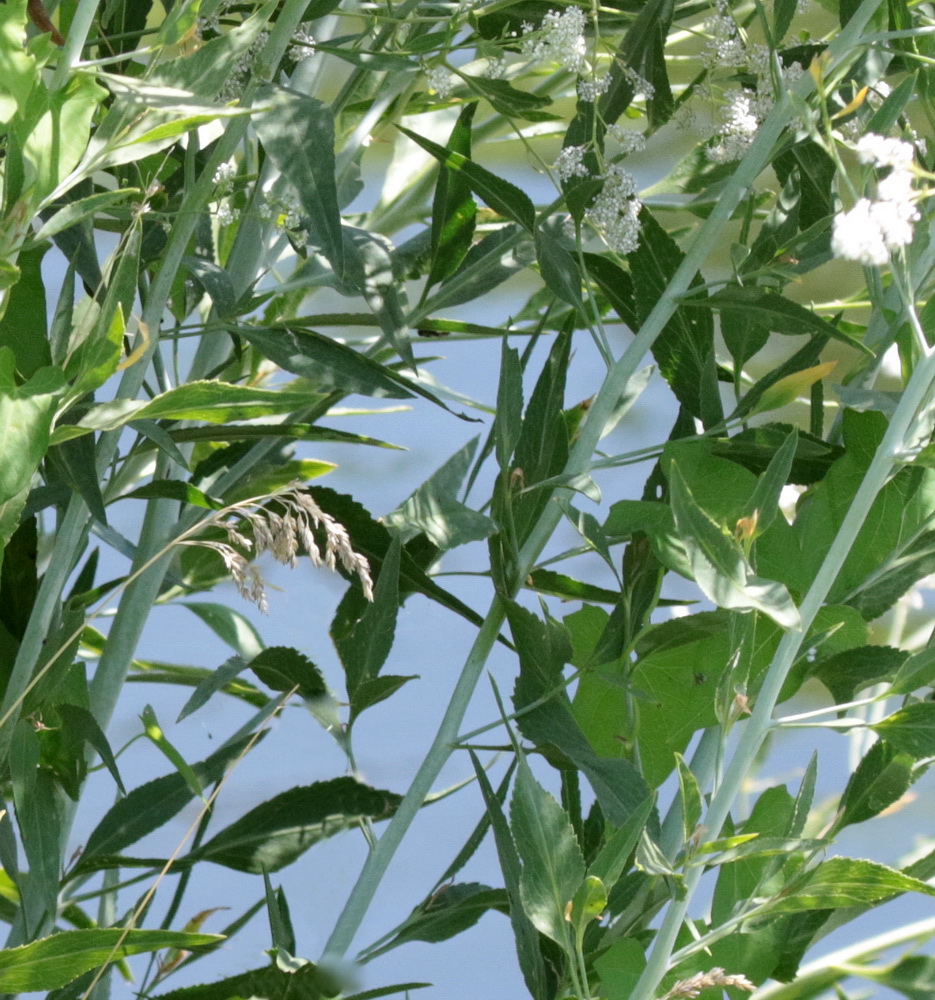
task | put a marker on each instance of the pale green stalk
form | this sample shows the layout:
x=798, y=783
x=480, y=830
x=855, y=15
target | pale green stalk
x=74, y=42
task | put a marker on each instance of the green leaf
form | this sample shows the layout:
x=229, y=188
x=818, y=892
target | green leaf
x=298, y=133
x=213, y=402
x=39, y=815
x=435, y=510
x=25, y=319
x=364, y=649
x=454, y=211
x=450, y=910
x=278, y=831
x=756, y=447
x=852, y=670
x=215, y=281
x=610, y=862
x=915, y=672
x=507, y=99
x=77, y=211
x=329, y=365
x=285, y=669
x=615, y=285
x=151, y=805
x=372, y=539
x=376, y=689
x=775, y=312
x=847, y=882
x=553, y=866
x=764, y=504
x=772, y=817
x=26, y=413
x=502, y=196
x=54, y=961
x=213, y=682
x=882, y=777
x=913, y=976
x=689, y=798
x=81, y=727
x=544, y=581
x=155, y=734
x=229, y=626
x=174, y=489
x=527, y=939
x=559, y=270
x=508, y=424
x=718, y=564
x=687, y=340
x=806, y=357
x=910, y=729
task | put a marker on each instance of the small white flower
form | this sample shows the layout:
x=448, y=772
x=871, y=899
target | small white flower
x=441, y=81
x=871, y=230
x=560, y=39
x=616, y=210
x=570, y=163
x=741, y=116
x=882, y=152
x=304, y=44
x=591, y=90
x=225, y=214
x=725, y=47
x=225, y=174
x=629, y=140
x=496, y=68
x=641, y=87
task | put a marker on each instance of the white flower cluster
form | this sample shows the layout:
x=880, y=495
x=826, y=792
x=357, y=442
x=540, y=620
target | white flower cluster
x=224, y=176
x=872, y=230
x=629, y=140
x=641, y=87
x=304, y=43
x=496, y=69
x=235, y=84
x=591, y=90
x=284, y=534
x=616, y=210
x=741, y=117
x=724, y=48
x=560, y=39
x=441, y=81
x=745, y=110
x=570, y=163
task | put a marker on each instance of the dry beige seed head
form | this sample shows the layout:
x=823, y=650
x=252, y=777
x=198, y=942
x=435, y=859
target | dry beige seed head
x=691, y=987
x=283, y=534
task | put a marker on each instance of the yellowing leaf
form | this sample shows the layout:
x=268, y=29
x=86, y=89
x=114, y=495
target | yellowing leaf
x=789, y=388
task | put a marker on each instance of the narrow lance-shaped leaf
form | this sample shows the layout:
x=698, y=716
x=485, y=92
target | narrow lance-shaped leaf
x=453, y=209
x=298, y=133
x=55, y=961
x=847, y=882
x=502, y=196
x=151, y=805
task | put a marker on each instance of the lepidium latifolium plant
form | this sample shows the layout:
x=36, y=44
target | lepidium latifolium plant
x=680, y=255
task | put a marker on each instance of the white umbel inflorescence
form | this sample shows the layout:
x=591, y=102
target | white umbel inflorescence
x=874, y=229
x=560, y=39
